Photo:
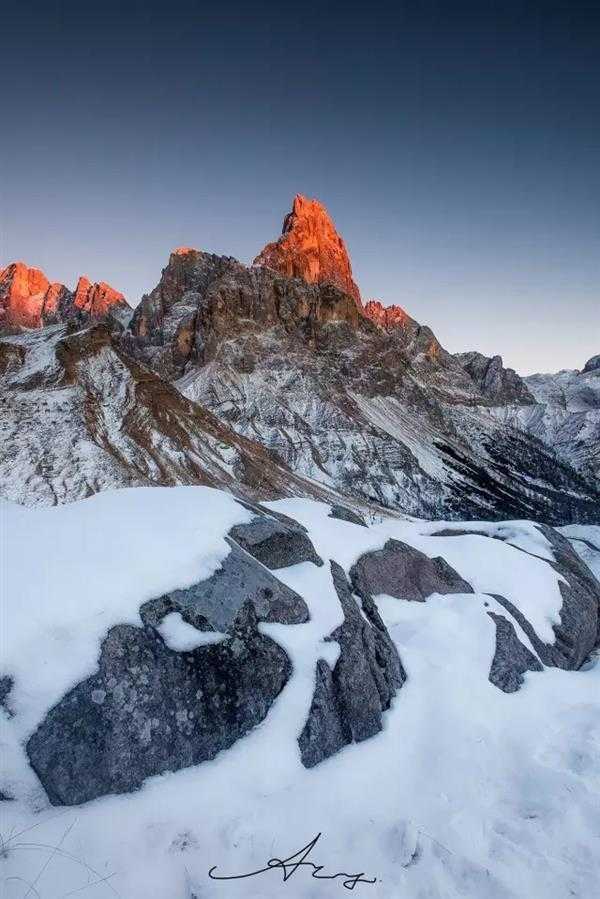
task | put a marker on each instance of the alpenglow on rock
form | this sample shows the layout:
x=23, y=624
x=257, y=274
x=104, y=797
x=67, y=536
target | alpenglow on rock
x=310, y=248
x=29, y=300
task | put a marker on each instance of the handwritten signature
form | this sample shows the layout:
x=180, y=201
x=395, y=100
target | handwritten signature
x=290, y=865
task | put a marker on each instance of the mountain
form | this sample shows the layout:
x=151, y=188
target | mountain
x=78, y=416
x=562, y=410
x=277, y=377
x=247, y=642
x=363, y=400
x=29, y=300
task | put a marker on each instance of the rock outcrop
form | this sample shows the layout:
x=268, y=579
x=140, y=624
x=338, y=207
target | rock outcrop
x=512, y=660
x=310, y=248
x=592, y=365
x=239, y=583
x=203, y=300
x=150, y=709
x=348, y=702
x=343, y=513
x=29, y=300
x=274, y=543
x=578, y=632
x=497, y=383
x=387, y=317
x=404, y=572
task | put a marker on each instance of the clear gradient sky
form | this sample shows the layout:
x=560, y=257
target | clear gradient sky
x=456, y=145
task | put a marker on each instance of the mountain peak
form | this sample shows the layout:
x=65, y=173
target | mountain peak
x=310, y=248
x=29, y=300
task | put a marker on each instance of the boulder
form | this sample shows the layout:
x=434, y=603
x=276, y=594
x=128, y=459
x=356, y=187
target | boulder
x=404, y=572
x=274, y=543
x=343, y=513
x=240, y=580
x=578, y=632
x=149, y=710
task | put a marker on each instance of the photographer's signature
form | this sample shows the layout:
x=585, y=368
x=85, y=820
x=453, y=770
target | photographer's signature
x=289, y=866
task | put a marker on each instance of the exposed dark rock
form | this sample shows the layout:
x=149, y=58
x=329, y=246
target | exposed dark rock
x=404, y=572
x=6, y=685
x=215, y=603
x=149, y=710
x=592, y=365
x=275, y=544
x=325, y=731
x=579, y=630
x=258, y=509
x=500, y=385
x=348, y=703
x=511, y=659
x=346, y=514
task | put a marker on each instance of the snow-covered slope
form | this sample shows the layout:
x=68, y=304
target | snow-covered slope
x=467, y=791
x=585, y=540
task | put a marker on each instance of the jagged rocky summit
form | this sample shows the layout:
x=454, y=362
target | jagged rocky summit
x=310, y=248
x=362, y=402
x=29, y=300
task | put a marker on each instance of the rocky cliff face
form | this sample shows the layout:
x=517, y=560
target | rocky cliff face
x=310, y=248
x=386, y=317
x=203, y=300
x=29, y=300
x=366, y=402
x=565, y=415
x=498, y=384
x=78, y=416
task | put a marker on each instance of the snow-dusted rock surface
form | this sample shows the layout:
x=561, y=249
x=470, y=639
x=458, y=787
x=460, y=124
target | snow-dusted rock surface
x=370, y=406
x=78, y=415
x=483, y=781
x=562, y=409
x=569, y=417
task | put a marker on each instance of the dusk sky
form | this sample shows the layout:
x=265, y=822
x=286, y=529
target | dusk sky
x=457, y=147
